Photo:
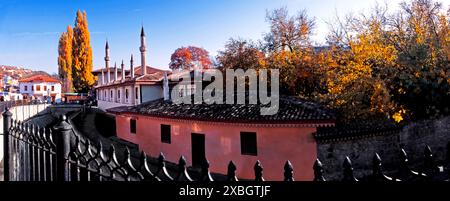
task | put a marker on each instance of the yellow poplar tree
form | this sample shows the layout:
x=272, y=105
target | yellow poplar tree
x=65, y=59
x=82, y=55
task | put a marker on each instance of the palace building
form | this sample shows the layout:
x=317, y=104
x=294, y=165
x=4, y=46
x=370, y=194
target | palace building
x=225, y=132
x=120, y=87
x=145, y=114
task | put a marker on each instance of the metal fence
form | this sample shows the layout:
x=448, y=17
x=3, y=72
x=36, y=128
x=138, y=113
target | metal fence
x=57, y=154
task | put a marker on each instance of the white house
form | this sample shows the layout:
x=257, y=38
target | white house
x=41, y=87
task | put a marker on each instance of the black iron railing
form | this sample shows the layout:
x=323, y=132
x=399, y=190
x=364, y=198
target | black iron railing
x=59, y=154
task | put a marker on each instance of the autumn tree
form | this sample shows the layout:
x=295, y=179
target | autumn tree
x=421, y=35
x=65, y=59
x=241, y=54
x=289, y=49
x=189, y=58
x=391, y=64
x=82, y=55
x=359, y=82
x=288, y=33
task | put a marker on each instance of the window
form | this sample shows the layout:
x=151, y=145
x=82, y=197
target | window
x=248, y=143
x=133, y=126
x=45, y=88
x=118, y=95
x=53, y=88
x=38, y=87
x=165, y=133
x=111, y=94
x=104, y=97
x=25, y=88
x=32, y=87
x=126, y=94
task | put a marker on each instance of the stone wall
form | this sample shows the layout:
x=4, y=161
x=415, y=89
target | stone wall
x=413, y=138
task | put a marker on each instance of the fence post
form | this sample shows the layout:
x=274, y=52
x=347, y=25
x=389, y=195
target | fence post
x=318, y=171
x=62, y=135
x=6, y=124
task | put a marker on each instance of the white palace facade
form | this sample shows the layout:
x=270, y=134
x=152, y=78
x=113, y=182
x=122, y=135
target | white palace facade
x=120, y=87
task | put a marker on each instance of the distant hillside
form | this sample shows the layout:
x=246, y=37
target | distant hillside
x=17, y=72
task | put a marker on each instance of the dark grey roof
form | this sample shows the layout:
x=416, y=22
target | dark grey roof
x=292, y=110
x=359, y=128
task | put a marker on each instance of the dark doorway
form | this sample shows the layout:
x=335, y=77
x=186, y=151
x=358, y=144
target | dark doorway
x=198, y=149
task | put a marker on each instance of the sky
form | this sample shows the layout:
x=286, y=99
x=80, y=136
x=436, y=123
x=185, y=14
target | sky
x=30, y=29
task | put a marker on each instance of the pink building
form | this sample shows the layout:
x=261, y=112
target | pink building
x=227, y=132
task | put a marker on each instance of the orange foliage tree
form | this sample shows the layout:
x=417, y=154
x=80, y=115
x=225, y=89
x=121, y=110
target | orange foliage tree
x=65, y=59
x=241, y=54
x=289, y=49
x=189, y=58
x=82, y=55
x=396, y=65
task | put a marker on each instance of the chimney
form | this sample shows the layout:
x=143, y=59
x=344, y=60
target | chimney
x=131, y=67
x=103, y=78
x=166, y=87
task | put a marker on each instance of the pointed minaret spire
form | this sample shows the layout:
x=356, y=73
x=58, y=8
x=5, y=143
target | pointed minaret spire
x=143, y=49
x=142, y=31
x=123, y=71
x=131, y=67
x=115, y=71
x=108, y=72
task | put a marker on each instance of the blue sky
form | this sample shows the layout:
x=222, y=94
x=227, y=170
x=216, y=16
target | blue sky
x=29, y=29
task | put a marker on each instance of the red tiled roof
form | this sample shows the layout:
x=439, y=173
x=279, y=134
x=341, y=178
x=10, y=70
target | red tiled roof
x=39, y=78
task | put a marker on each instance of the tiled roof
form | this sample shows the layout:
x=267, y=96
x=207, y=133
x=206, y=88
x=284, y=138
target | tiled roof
x=150, y=70
x=292, y=110
x=39, y=78
x=360, y=128
x=154, y=77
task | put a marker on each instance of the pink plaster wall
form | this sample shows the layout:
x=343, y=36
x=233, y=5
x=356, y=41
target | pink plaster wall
x=222, y=143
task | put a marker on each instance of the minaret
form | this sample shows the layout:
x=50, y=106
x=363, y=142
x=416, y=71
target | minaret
x=123, y=71
x=108, y=72
x=131, y=67
x=115, y=71
x=103, y=78
x=143, y=50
